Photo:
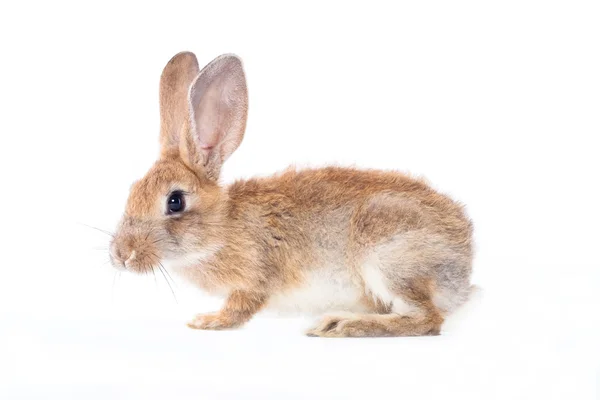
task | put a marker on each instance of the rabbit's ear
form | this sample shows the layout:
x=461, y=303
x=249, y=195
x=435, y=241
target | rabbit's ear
x=218, y=107
x=175, y=81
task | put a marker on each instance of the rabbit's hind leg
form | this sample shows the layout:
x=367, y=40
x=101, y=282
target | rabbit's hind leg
x=413, y=313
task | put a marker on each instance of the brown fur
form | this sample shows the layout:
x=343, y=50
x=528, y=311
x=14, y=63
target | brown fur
x=267, y=236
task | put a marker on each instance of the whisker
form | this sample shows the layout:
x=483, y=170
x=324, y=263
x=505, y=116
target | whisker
x=98, y=229
x=154, y=275
x=152, y=268
x=169, y=275
x=148, y=234
x=162, y=271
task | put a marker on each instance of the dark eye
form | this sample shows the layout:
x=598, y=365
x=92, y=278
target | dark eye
x=175, y=203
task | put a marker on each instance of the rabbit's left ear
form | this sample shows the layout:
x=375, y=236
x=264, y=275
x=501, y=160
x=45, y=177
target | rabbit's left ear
x=175, y=81
x=218, y=108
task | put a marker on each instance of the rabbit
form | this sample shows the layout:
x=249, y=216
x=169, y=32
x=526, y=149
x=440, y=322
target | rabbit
x=376, y=253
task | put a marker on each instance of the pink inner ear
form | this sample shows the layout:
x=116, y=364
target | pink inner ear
x=218, y=106
x=210, y=110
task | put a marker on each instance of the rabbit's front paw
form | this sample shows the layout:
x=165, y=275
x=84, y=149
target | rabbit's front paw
x=213, y=321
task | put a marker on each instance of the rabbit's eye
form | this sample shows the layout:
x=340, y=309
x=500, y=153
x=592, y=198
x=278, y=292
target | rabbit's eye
x=175, y=203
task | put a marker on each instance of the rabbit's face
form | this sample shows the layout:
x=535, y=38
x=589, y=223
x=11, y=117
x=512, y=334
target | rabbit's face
x=165, y=217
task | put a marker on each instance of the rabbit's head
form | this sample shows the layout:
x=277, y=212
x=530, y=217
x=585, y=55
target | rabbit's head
x=177, y=208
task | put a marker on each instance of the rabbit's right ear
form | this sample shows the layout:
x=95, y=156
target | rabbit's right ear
x=176, y=78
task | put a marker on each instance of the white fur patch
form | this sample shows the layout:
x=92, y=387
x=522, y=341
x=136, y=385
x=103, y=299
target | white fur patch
x=326, y=289
x=376, y=284
x=399, y=306
x=188, y=260
x=374, y=281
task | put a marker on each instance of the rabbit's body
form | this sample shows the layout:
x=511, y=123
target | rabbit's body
x=338, y=239
x=382, y=246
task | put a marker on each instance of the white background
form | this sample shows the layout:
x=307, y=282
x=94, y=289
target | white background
x=496, y=103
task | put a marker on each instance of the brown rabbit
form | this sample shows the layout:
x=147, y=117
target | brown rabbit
x=389, y=252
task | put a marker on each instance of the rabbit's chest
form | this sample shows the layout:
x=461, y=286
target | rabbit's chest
x=324, y=289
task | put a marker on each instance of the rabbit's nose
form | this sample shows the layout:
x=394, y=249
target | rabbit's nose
x=129, y=258
x=119, y=256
